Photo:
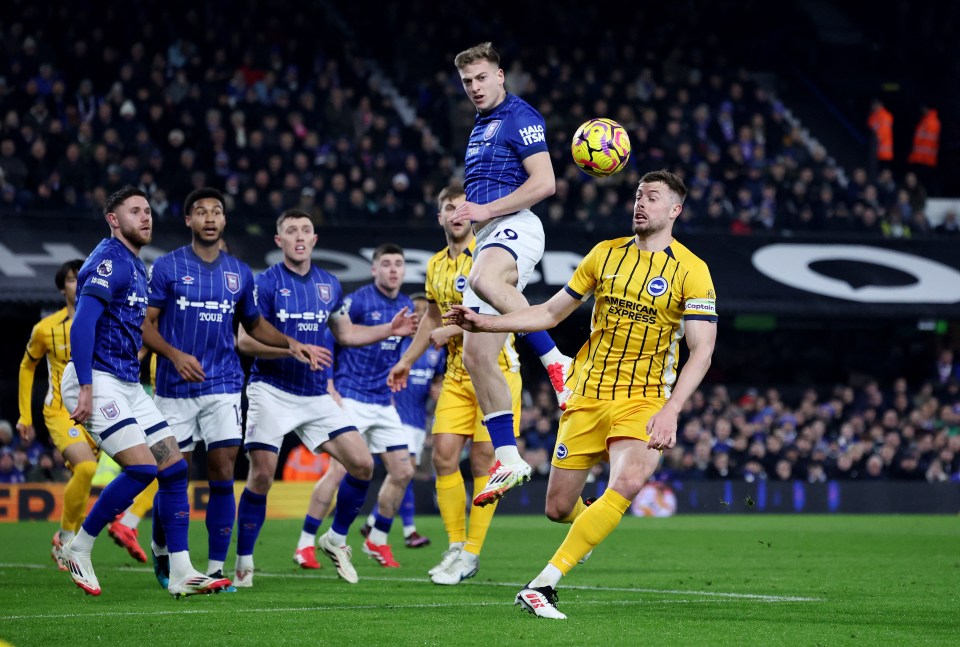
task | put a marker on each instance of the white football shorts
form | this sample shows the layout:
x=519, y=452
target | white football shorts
x=379, y=424
x=124, y=416
x=273, y=413
x=522, y=235
x=415, y=439
x=212, y=419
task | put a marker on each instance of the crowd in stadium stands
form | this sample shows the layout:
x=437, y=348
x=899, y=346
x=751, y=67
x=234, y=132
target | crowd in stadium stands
x=863, y=433
x=275, y=121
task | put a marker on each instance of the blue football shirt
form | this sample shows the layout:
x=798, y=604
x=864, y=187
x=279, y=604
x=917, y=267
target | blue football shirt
x=198, y=302
x=361, y=372
x=298, y=306
x=116, y=276
x=499, y=142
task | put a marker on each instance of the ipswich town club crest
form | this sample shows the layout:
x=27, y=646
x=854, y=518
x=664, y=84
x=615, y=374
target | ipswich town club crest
x=492, y=129
x=325, y=292
x=232, y=282
x=110, y=411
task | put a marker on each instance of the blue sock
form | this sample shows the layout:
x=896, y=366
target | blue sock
x=221, y=512
x=311, y=525
x=500, y=427
x=250, y=515
x=541, y=342
x=407, y=507
x=174, y=505
x=350, y=496
x=159, y=538
x=118, y=495
x=383, y=523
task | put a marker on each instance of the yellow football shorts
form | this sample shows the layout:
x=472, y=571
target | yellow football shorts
x=458, y=413
x=64, y=431
x=588, y=425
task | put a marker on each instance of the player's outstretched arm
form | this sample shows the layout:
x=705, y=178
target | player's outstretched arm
x=250, y=346
x=348, y=333
x=701, y=338
x=266, y=334
x=397, y=378
x=188, y=366
x=530, y=319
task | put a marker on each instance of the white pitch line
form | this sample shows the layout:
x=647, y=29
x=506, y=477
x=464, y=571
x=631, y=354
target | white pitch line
x=352, y=607
x=516, y=585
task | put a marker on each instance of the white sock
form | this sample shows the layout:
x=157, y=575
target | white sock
x=158, y=550
x=408, y=530
x=377, y=537
x=552, y=357
x=82, y=542
x=180, y=565
x=507, y=454
x=306, y=540
x=213, y=566
x=336, y=537
x=66, y=535
x=371, y=519
x=549, y=576
x=130, y=520
x=457, y=544
x=244, y=562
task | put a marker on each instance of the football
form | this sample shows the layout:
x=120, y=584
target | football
x=600, y=147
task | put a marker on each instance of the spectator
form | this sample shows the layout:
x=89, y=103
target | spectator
x=946, y=368
x=8, y=470
x=46, y=471
x=949, y=226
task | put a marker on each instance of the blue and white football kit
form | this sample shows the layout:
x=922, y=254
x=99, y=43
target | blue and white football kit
x=361, y=372
x=199, y=301
x=286, y=395
x=123, y=414
x=106, y=338
x=500, y=141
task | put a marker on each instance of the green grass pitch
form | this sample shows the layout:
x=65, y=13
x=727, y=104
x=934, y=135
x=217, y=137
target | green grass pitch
x=688, y=580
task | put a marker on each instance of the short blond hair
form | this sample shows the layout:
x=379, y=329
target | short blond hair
x=481, y=52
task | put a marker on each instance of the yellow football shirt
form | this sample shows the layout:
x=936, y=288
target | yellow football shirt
x=446, y=281
x=50, y=338
x=641, y=301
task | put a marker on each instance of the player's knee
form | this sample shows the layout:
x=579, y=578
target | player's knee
x=557, y=510
x=445, y=459
x=260, y=481
x=84, y=471
x=479, y=283
x=628, y=486
x=404, y=472
x=362, y=469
